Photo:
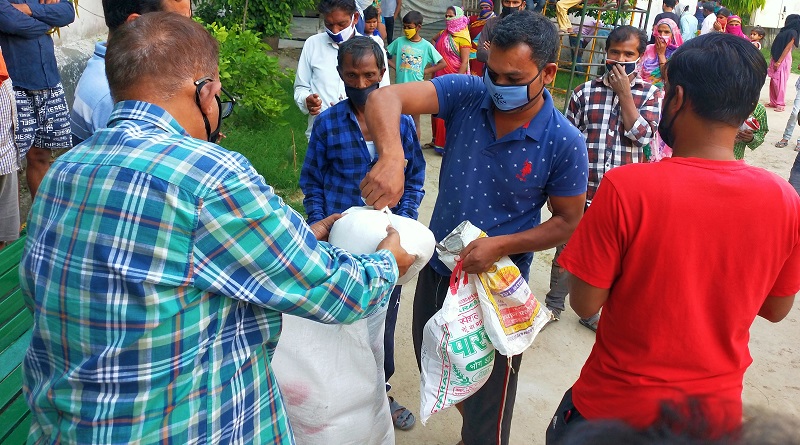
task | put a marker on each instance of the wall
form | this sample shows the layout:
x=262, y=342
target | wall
x=774, y=13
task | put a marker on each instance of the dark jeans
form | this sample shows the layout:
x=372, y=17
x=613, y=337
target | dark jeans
x=557, y=294
x=564, y=420
x=389, y=22
x=388, y=335
x=794, y=174
x=487, y=413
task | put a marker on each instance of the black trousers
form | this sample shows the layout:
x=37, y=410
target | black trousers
x=487, y=413
x=564, y=420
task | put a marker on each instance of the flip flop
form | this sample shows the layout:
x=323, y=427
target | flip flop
x=782, y=143
x=429, y=146
x=797, y=146
x=402, y=418
x=590, y=323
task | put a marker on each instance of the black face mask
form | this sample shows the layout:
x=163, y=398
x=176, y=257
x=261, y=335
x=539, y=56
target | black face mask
x=358, y=96
x=630, y=67
x=508, y=10
x=665, y=126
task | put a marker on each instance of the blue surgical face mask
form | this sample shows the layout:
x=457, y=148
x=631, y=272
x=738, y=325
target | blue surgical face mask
x=344, y=34
x=630, y=67
x=510, y=97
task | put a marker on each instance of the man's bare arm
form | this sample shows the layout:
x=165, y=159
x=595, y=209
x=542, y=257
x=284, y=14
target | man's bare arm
x=585, y=299
x=383, y=186
x=775, y=309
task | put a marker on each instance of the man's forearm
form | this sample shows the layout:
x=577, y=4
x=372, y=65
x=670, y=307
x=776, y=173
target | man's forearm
x=551, y=233
x=57, y=14
x=630, y=114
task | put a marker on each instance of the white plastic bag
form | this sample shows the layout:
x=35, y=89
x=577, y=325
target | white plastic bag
x=361, y=229
x=332, y=381
x=512, y=314
x=456, y=355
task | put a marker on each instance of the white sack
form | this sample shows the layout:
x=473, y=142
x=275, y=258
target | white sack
x=332, y=381
x=361, y=229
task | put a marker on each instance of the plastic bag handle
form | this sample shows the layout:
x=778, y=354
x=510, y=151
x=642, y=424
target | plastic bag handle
x=455, y=278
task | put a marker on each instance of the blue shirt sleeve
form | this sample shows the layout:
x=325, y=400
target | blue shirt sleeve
x=56, y=14
x=312, y=173
x=12, y=21
x=415, y=170
x=456, y=90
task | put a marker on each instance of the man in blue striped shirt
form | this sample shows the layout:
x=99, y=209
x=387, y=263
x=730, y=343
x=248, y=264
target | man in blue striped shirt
x=341, y=152
x=158, y=264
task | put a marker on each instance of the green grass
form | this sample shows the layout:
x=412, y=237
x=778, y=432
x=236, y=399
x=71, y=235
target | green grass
x=276, y=148
x=795, y=58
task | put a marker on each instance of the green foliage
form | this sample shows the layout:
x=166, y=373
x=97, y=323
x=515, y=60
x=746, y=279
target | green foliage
x=269, y=17
x=275, y=147
x=744, y=7
x=616, y=16
x=248, y=72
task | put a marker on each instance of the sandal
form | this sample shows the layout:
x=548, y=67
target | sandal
x=797, y=146
x=782, y=143
x=429, y=146
x=769, y=105
x=591, y=322
x=401, y=417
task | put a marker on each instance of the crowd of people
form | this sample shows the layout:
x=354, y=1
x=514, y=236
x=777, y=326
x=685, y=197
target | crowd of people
x=158, y=264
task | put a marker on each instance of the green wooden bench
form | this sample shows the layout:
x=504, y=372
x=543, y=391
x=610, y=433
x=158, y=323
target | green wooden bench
x=16, y=325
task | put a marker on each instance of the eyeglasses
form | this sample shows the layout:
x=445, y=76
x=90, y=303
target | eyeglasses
x=225, y=106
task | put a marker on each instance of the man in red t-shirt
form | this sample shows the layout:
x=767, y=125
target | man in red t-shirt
x=662, y=250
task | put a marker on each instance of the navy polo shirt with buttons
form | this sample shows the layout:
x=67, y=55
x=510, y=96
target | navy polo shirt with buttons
x=501, y=185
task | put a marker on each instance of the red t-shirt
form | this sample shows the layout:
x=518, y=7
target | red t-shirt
x=690, y=249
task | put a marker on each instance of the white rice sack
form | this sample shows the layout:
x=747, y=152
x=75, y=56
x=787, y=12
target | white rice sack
x=361, y=229
x=456, y=355
x=332, y=381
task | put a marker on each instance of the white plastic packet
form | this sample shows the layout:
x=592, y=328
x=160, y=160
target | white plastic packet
x=456, y=355
x=332, y=381
x=512, y=314
x=361, y=229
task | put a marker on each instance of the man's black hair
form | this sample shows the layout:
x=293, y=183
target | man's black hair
x=702, y=67
x=326, y=7
x=626, y=32
x=725, y=12
x=118, y=11
x=370, y=12
x=708, y=6
x=531, y=29
x=413, y=18
x=359, y=47
x=670, y=3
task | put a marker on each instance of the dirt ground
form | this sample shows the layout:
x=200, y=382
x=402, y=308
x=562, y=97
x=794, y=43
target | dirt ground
x=553, y=363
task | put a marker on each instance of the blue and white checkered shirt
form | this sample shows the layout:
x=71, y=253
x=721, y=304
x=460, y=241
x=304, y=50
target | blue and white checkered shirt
x=157, y=267
x=337, y=160
x=9, y=154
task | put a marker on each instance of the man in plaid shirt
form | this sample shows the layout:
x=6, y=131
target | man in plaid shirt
x=158, y=264
x=619, y=114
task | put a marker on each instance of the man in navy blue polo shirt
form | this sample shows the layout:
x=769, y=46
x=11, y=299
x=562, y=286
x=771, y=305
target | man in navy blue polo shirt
x=508, y=149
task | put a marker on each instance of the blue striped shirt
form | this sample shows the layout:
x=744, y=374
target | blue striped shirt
x=337, y=160
x=157, y=267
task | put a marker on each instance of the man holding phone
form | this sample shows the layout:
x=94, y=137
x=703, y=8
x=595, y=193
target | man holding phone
x=628, y=110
